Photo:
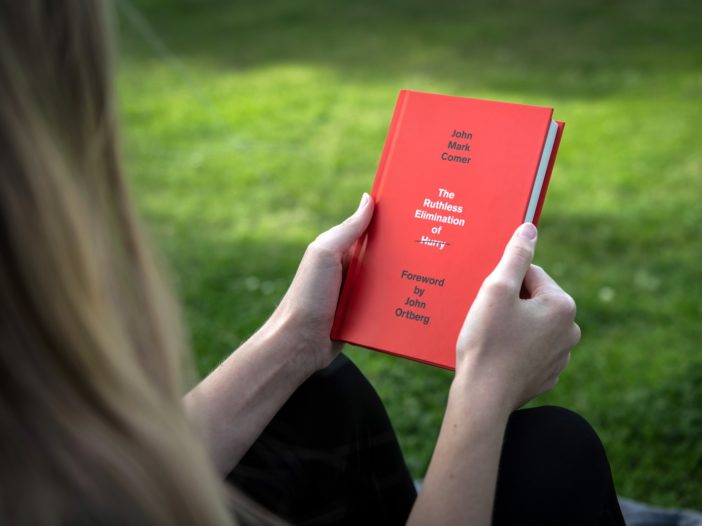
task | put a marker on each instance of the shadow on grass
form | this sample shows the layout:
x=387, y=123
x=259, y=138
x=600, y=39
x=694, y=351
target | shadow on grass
x=559, y=49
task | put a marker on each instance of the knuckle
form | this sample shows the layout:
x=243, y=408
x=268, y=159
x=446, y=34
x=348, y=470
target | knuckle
x=522, y=253
x=349, y=221
x=319, y=248
x=577, y=334
x=570, y=306
x=565, y=305
x=498, y=286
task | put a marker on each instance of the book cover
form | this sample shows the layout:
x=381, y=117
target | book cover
x=455, y=179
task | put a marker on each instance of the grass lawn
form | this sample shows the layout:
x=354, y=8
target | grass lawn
x=252, y=126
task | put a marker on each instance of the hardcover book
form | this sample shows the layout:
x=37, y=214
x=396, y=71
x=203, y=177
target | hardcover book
x=456, y=177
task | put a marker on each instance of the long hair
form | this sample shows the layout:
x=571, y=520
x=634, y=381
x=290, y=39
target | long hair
x=92, y=428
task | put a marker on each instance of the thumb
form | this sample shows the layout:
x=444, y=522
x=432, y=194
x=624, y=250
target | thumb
x=340, y=237
x=518, y=255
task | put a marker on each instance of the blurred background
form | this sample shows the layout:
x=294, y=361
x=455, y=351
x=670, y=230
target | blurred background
x=251, y=126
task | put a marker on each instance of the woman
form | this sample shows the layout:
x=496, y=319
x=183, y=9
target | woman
x=93, y=425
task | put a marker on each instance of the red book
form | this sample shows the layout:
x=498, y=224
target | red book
x=455, y=179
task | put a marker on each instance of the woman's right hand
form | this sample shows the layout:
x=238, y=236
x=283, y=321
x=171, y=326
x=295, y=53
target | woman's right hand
x=513, y=349
x=509, y=351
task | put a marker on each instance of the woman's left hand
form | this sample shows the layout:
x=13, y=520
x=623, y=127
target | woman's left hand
x=306, y=312
x=235, y=402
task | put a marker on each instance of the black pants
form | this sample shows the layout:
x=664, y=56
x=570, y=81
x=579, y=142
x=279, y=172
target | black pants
x=331, y=457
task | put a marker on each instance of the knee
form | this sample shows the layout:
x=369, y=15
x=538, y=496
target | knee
x=555, y=446
x=552, y=423
x=552, y=463
x=554, y=433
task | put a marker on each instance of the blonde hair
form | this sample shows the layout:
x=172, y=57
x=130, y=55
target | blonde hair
x=91, y=419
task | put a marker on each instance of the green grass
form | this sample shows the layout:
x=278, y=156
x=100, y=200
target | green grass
x=252, y=126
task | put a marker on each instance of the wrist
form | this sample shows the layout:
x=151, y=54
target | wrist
x=481, y=394
x=285, y=335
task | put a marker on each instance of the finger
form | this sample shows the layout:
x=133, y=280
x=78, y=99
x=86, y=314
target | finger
x=561, y=365
x=576, y=334
x=537, y=282
x=518, y=255
x=565, y=361
x=340, y=237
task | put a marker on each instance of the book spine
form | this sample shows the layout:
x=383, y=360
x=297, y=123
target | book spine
x=547, y=177
x=544, y=138
x=376, y=195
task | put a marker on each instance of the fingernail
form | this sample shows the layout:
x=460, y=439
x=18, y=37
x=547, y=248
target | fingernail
x=364, y=200
x=527, y=231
